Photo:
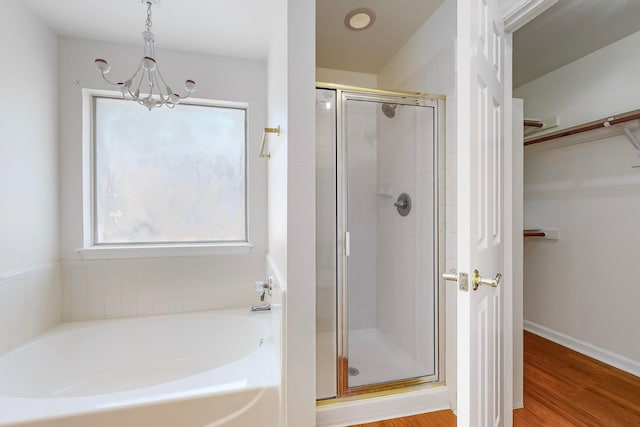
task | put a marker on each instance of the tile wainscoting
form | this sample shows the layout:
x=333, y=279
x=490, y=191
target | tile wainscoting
x=106, y=289
x=30, y=303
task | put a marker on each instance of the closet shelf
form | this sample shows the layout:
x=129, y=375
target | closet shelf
x=590, y=126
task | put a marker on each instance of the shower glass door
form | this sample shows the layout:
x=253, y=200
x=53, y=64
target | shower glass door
x=388, y=227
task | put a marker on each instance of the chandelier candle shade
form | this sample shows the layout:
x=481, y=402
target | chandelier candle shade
x=147, y=76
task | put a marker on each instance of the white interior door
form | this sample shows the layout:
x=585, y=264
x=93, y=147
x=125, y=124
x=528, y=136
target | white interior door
x=481, y=109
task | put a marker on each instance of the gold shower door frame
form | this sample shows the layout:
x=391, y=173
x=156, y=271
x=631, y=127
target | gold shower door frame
x=437, y=102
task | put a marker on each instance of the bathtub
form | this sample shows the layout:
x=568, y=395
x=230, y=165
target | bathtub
x=214, y=368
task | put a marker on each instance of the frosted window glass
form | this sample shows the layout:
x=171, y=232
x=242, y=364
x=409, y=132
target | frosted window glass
x=166, y=176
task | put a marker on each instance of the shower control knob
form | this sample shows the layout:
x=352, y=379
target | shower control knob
x=403, y=204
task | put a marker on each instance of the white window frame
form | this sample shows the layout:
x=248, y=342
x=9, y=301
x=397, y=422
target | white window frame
x=91, y=250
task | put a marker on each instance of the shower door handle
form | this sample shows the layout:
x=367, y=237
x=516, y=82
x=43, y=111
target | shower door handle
x=347, y=243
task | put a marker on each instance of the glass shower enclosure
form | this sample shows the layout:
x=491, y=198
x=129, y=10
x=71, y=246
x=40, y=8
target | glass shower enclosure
x=379, y=211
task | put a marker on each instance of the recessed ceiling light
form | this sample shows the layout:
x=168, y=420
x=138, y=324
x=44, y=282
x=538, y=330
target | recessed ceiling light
x=359, y=19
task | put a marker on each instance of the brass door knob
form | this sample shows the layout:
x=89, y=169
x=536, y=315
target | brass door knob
x=479, y=280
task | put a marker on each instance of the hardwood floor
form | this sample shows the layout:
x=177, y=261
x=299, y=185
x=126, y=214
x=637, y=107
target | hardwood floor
x=561, y=388
x=432, y=419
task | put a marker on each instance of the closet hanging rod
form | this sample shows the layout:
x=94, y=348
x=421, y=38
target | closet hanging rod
x=596, y=124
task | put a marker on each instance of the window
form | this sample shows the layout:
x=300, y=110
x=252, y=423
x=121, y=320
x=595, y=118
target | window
x=168, y=176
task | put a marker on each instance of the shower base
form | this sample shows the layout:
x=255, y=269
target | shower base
x=378, y=359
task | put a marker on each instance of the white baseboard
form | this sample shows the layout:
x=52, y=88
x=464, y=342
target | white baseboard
x=382, y=408
x=598, y=353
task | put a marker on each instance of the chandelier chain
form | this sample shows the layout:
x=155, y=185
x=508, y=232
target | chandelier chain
x=148, y=22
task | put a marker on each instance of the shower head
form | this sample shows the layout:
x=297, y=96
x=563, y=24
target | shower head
x=389, y=110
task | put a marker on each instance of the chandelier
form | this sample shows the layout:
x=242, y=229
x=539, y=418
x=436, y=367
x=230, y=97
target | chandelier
x=147, y=86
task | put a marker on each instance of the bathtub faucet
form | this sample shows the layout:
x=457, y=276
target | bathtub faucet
x=262, y=287
x=262, y=308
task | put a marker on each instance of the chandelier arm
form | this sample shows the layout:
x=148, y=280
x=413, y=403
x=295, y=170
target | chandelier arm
x=130, y=93
x=150, y=82
x=154, y=84
x=163, y=99
x=107, y=80
x=163, y=82
x=133, y=77
x=187, y=95
x=139, y=81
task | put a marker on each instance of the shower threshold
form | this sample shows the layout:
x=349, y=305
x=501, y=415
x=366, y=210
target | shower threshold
x=378, y=359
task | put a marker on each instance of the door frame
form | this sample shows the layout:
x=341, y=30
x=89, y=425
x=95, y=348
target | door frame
x=516, y=14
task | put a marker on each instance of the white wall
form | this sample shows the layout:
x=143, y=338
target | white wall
x=596, y=86
x=349, y=78
x=29, y=277
x=583, y=285
x=291, y=189
x=115, y=288
x=276, y=267
x=301, y=209
x=427, y=63
x=580, y=290
x=277, y=92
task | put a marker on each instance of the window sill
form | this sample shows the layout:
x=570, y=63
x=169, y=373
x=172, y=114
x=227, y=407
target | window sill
x=161, y=251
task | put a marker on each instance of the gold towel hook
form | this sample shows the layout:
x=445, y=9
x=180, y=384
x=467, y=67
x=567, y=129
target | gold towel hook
x=262, y=154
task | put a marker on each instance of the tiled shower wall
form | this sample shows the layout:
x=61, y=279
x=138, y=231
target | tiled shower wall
x=362, y=214
x=405, y=267
x=106, y=289
x=29, y=304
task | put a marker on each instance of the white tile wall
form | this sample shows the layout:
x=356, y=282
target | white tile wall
x=29, y=304
x=107, y=289
x=405, y=264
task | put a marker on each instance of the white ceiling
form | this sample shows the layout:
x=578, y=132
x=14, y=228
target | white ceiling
x=367, y=50
x=239, y=28
x=568, y=31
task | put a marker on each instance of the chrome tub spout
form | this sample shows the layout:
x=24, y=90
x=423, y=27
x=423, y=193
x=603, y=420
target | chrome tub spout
x=262, y=308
